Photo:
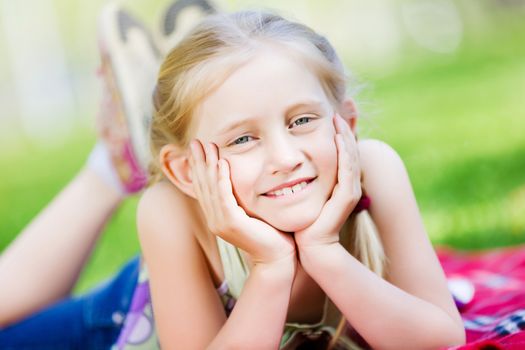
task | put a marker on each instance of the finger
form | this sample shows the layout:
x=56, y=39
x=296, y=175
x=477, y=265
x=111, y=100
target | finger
x=352, y=191
x=200, y=194
x=198, y=158
x=211, y=154
x=211, y=166
x=193, y=167
x=353, y=151
x=345, y=193
x=352, y=158
x=201, y=164
x=337, y=124
x=340, y=123
x=212, y=170
x=200, y=180
x=349, y=139
x=344, y=129
x=228, y=200
x=344, y=166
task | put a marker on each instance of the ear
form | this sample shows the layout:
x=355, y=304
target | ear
x=175, y=164
x=349, y=113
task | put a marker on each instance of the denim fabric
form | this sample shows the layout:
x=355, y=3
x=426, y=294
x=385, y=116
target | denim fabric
x=90, y=321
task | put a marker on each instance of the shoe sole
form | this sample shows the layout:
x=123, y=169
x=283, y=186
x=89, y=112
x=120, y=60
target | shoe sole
x=115, y=26
x=172, y=23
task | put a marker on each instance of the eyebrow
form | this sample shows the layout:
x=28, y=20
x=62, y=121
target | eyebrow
x=235, y=125
x=310, y=103
x=290, y=109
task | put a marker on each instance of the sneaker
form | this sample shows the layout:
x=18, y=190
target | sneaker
x=179, y=18
x=129, y=66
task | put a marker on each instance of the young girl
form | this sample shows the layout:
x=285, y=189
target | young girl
x=263, y=198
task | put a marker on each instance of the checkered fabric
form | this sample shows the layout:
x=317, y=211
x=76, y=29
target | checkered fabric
x=495, y=317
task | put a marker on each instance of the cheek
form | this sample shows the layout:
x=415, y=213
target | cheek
x=327, y=159
x=243, y=175
x=324, y=156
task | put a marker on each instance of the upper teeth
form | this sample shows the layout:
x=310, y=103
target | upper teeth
x=289, y=190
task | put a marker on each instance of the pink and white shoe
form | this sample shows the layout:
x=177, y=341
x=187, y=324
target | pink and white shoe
x=130, y=61
x=179, y=17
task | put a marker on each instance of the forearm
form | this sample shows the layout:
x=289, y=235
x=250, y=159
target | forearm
x=258, y=318
x=385, y=315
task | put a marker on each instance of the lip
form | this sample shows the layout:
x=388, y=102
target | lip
x=290, y=184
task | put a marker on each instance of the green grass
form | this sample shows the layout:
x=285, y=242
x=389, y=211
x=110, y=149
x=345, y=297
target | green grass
x=458, y=123
x=456, y=120
x=32, y=175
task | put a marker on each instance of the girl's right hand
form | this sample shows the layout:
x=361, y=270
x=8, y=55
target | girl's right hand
x=225, y=218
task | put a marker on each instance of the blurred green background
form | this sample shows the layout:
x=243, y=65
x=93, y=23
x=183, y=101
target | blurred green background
x=443, y=83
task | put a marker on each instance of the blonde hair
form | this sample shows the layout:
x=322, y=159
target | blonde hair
x=205, y=58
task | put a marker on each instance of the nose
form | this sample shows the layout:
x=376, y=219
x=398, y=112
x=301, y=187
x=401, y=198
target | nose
x=283, y=154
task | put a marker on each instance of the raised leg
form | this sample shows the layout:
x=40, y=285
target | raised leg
x=43, y=263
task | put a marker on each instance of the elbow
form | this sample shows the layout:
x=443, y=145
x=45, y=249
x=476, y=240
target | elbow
x=446, y=331
x=450, y=336
x=242, y=345
x=237, y=342
x=433, y=338
x=453, y=333
x=456, y=336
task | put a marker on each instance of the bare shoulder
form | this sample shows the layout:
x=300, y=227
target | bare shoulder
x=161, y=204
x=162, y=193
x=164, y=225
x=386, y=182
x=177, y=270
x=377, y=160
x=374, y=153
x=396, y=215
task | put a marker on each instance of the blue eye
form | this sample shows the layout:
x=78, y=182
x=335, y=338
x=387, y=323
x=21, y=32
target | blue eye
x=241, y=140
x=301, y=121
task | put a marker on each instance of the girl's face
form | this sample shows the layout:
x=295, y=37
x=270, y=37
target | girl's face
x=272, y=122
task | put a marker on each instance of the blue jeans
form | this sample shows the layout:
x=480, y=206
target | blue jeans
x=90, y=321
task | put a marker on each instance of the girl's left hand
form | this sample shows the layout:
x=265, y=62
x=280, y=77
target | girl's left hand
x=345, y=195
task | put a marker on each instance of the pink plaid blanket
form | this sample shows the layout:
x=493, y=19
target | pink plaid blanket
x=489, y=288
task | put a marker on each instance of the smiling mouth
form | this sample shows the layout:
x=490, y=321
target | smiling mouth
x=289, y=190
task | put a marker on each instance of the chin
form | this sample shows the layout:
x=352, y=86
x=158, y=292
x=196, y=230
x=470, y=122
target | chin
x=293, y=223
x=290, y=218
